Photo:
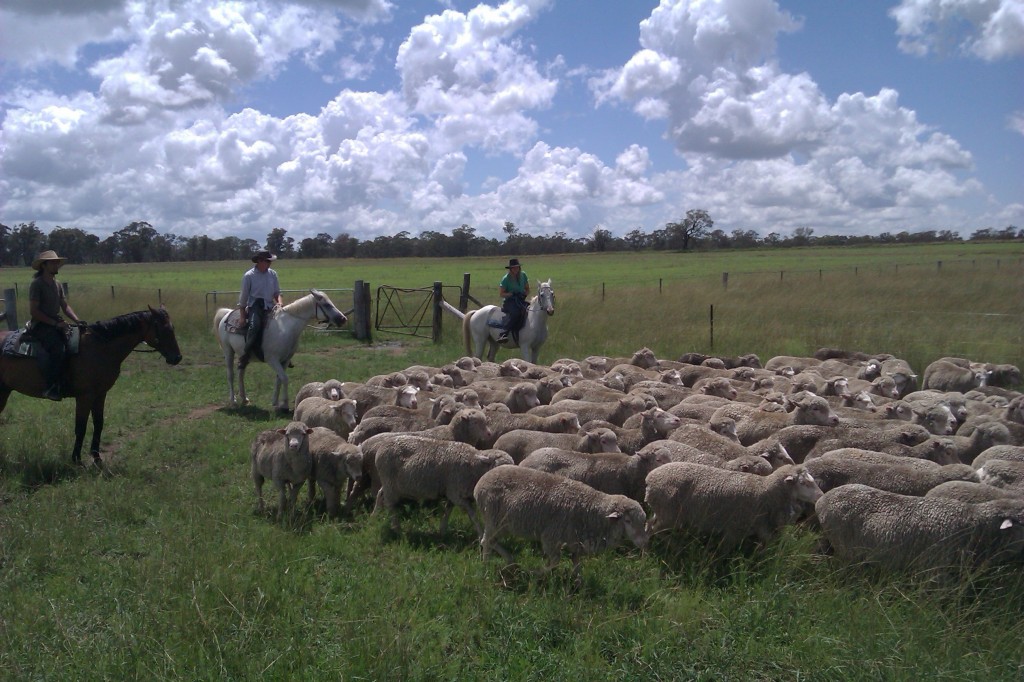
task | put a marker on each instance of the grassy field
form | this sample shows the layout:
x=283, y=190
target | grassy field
x=161, y=569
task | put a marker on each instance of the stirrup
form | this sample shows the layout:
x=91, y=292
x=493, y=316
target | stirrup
x=503, y=337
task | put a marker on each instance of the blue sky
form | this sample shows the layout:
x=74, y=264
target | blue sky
x=374, y=117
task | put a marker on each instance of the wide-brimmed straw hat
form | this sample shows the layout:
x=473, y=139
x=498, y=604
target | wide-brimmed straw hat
x=263, y=255
x=512, y=263
x=46, y=256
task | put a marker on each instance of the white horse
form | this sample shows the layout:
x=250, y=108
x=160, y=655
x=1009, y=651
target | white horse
x=476, y=331
x=280, y=339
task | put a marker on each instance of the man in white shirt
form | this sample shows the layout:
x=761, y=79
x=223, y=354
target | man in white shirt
x=260, y=293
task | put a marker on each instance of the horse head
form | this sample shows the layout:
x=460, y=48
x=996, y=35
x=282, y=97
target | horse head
x=546, y=298
x=324, y=305
x=160, y=335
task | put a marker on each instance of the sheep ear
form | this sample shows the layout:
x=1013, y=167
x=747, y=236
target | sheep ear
x=615, y=515
x=790, y=478
x=482, y=458
x=281, y=431
x=309, y=431
x=765, y=455
x=1005, y=524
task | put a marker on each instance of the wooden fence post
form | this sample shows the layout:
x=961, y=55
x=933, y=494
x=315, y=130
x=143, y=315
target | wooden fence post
x=10, y=308
x=361, y=311
x=367, y=307
x=438, y=311
x=464, y=297
x=711, y=316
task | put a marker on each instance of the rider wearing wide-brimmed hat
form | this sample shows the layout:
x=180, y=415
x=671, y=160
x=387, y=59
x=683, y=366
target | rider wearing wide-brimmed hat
x=514, y=289
x=260, y=293
x=46, y=302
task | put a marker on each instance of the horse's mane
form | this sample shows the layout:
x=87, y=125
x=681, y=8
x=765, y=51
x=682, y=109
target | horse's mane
x=120, y=325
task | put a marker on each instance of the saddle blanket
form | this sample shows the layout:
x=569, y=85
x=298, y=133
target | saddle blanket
x=16, y=346
x=232, y=322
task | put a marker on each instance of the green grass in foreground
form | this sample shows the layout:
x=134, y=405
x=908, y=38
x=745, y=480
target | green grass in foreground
x=161, y=569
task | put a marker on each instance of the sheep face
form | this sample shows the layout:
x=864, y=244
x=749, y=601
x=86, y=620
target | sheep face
x=407, y=397
x=629, y=521
x=296, y=436
x=804, y=487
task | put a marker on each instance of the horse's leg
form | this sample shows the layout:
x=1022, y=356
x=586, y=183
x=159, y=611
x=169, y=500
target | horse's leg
x=81, y=422
x=229, y=362
x=242, y=396
x=280, y=385
x=492, y=348
x=97, y=426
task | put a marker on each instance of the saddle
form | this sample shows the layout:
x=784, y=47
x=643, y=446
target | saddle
x=20, y=344
x=232, y=318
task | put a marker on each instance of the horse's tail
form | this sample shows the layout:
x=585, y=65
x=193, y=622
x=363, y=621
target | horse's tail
x=217, y=317
x=467, y=333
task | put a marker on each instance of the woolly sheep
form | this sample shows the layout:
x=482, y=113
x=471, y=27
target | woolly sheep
x=467, y=426
x=1014, y=453
x=611, y=473
x=980, y=439
x=391, y=421
x=423, y=469
x=521, y=442
x=880, y=436
x=943, y=375
x=330, y=389
x=281, y=455
x=370, y=396
x=616, y=412
x=729, y=506
x=499, y=424
x=654, y=424
x=557, y=511
x=1002, y=473
x=390, y=380
x=938, y=418
x=588, y=389
x=969, y=491
x=339, y=416
x=903, y=532
x=807, y=409
x=835, y=469
x=336, y=464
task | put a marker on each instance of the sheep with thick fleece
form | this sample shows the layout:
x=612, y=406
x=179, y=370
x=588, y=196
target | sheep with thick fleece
x=616, y=412
x=409, y=420
x=588, y=389
x=281, y=455
x=983, y=437
x=336, y=466
x=413, y=467
x=501, y=423
x=370, y=396
x=727, y=505
x=1003, y=473
x=521, y=442
x=943, y=375
x=654, y=424
x=330, y=389
x=1013, y=453
x=339, y=416
x=968, y=491
x=938, y=418
x=807, y=409
x=882, y=436
x=837, y=468
x=726, y=449
x=665, y=395
x=557, y=511
x=905, y=532
x=467, y=426
x=522, y=398
x=614, y=474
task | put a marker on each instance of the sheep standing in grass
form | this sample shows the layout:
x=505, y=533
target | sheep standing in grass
x=808, y=409
x=1003, y=473
x=726, y=505
x=654, y=424
x=615, y=412
x=521, y=442
x=614, y=474
x=943, y=375
x=424, y=469
x=282, y=455
x=903, y=532
x=330, y=389
x=336, y=465
x=501, y=423
x=467, y=426
x=557, y=511
x=899, y=476
x=337, y=415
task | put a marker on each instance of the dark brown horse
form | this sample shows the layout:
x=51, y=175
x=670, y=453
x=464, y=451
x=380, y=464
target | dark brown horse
x=92, y=372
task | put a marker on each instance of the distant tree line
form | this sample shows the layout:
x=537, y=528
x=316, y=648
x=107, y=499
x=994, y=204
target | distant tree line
x=139, y=242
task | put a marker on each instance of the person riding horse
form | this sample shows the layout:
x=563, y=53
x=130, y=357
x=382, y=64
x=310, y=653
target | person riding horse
x=260, y=293
x=46, y=303
x=514, y=288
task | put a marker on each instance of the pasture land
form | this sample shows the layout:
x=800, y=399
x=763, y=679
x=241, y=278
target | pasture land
x=161, y=570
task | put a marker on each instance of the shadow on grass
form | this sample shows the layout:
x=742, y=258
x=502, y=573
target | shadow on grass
x=252, y=413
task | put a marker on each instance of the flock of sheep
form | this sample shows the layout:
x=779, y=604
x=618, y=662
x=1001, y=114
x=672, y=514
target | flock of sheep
x=586, y=455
